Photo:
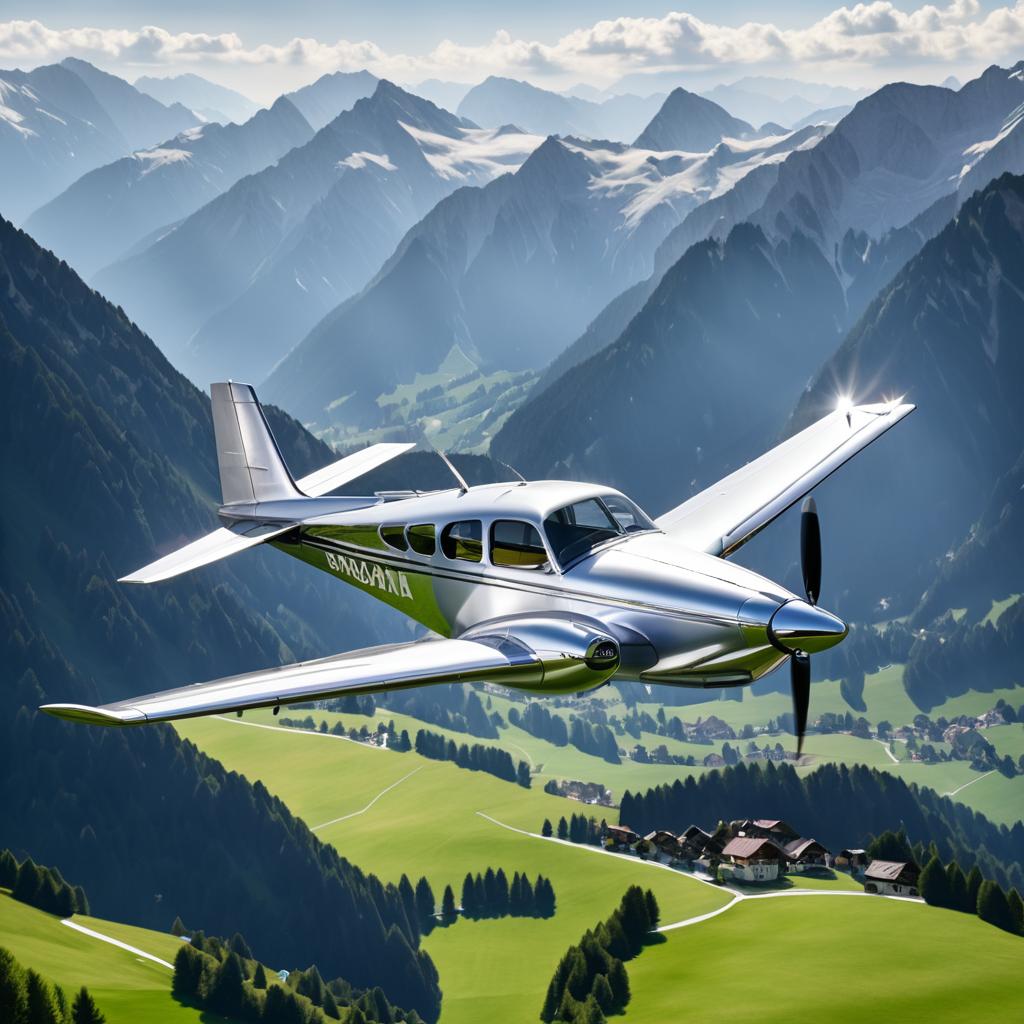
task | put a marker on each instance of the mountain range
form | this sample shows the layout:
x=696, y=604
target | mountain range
x=108, y=211
x=691, y=123
x=497, y=101
x=322, y=101
x=210, y=101
x=506, y=274
x=233, y=287
x=60, y=121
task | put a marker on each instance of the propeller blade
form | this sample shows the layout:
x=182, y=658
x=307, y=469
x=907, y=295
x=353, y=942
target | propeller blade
x=800, y=682
x=810, y=550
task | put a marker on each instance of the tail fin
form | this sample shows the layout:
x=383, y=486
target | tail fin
x=251, y=467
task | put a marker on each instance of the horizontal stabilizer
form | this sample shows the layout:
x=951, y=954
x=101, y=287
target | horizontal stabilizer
x=325, y=480
x=211, y=548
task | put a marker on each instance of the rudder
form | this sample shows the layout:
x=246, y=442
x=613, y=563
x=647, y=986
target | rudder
x=251, y=467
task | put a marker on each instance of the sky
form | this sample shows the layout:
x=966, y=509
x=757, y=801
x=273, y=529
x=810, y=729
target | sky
x=264, y=48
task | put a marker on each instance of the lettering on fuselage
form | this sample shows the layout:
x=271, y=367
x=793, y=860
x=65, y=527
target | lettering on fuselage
x=369, y=574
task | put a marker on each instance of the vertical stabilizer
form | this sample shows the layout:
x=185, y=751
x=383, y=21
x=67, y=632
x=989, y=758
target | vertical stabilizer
x=251, y=467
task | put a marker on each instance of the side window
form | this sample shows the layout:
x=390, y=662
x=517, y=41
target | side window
x=394, y=537
x=517, y=544
x=421, y=538
x=463, y=541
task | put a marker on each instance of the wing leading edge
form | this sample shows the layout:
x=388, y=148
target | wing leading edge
x=561, y=654
x=726, y=515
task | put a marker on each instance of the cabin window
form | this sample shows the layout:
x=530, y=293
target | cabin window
x=421, y=538
x=463, y=541
x=517, y=544
x=394, y=537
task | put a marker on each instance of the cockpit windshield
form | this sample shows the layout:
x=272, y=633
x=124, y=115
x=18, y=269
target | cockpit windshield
x=577, y=529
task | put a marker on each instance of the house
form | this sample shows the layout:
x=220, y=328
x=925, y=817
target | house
x=765, y=828
x=714, y=761
x=806, y=855
x=619, y=836
x=696, y=844
x=852, y=860
x=753, y=859
x=663, y=843
x=892, y=878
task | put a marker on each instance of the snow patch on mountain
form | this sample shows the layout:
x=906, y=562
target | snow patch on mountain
x=359, y=160
x=475, y=155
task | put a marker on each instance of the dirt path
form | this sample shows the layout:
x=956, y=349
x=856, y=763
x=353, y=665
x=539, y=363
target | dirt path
x=355, y=814
x=115, y=942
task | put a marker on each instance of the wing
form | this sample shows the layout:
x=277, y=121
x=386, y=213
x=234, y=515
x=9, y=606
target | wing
x=726, y=515
x=527, y=651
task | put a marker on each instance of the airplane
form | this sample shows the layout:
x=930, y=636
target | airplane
x=548, y=586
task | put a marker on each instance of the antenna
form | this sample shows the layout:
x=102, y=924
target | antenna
x=448, y=462
x=512, y=469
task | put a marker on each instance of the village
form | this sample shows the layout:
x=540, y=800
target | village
x=760, y=851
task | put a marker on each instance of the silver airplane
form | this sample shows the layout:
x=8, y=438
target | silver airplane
x=550, y=587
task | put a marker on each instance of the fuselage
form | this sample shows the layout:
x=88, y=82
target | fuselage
x=453, y=560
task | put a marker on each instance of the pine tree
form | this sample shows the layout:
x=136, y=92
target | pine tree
x=448, y=912
x=40, y=1007
x=406, y=892
x=958, y=898
x=238, y=945
x=653, y=910
x=591, y=1012
x=602, y=992
x=523, y=775
x=330, y=1005
x=994, y=908
x=1016, y=905
x=12, y=989
x=425, y=903
x=227, y=995
x=501, y=893
x=563, y=829
x=490, y=894
x=84, y=1009
x=974, y=881
x=618, y=979
x=259, y=978
x=178, y=928
x=933, y=884
x=8, y=870
x=469, y=904
x=546, y=829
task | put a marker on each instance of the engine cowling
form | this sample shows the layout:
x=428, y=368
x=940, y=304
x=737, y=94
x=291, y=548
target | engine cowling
x=557, y=655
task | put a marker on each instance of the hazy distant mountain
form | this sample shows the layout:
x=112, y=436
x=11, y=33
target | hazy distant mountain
x=787, y=100
x=141, y=120
x=322, y=101
x=510, y=273
x=212, y=101
x=280, y=248
x=54, y=127
x=823, y=115
x=422, y=154
x=108, y=210
x=700, y=377
x=951, y=82
x=690, y=123
x=497, y=101
x=445, y=94
x=890, y=158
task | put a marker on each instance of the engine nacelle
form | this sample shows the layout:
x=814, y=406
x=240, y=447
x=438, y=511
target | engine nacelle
x=557, y=655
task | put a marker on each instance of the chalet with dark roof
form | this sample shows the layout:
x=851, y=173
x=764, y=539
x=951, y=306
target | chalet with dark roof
x=618, y=837
x=754, y=859
x=892, y=878
x=806, y=855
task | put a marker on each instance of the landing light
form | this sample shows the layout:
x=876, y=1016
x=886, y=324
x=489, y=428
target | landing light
x=844, y=404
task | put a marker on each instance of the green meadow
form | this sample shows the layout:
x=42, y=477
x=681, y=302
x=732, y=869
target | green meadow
x=127, y=988
x=844, y=960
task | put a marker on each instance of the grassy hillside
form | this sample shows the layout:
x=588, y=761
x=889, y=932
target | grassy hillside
x=827, y=958
x=127, y=988
x=429, y=822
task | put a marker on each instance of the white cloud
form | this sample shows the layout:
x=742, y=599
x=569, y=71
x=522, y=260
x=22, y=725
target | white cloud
x=868, y=34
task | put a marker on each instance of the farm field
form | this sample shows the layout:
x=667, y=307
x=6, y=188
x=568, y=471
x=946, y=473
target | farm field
x=128, y=989
x=429, y=824
x=901, y=951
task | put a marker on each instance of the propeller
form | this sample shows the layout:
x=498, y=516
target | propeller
x=800, y=661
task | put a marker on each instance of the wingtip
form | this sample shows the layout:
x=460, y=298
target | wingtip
x=93, y=716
